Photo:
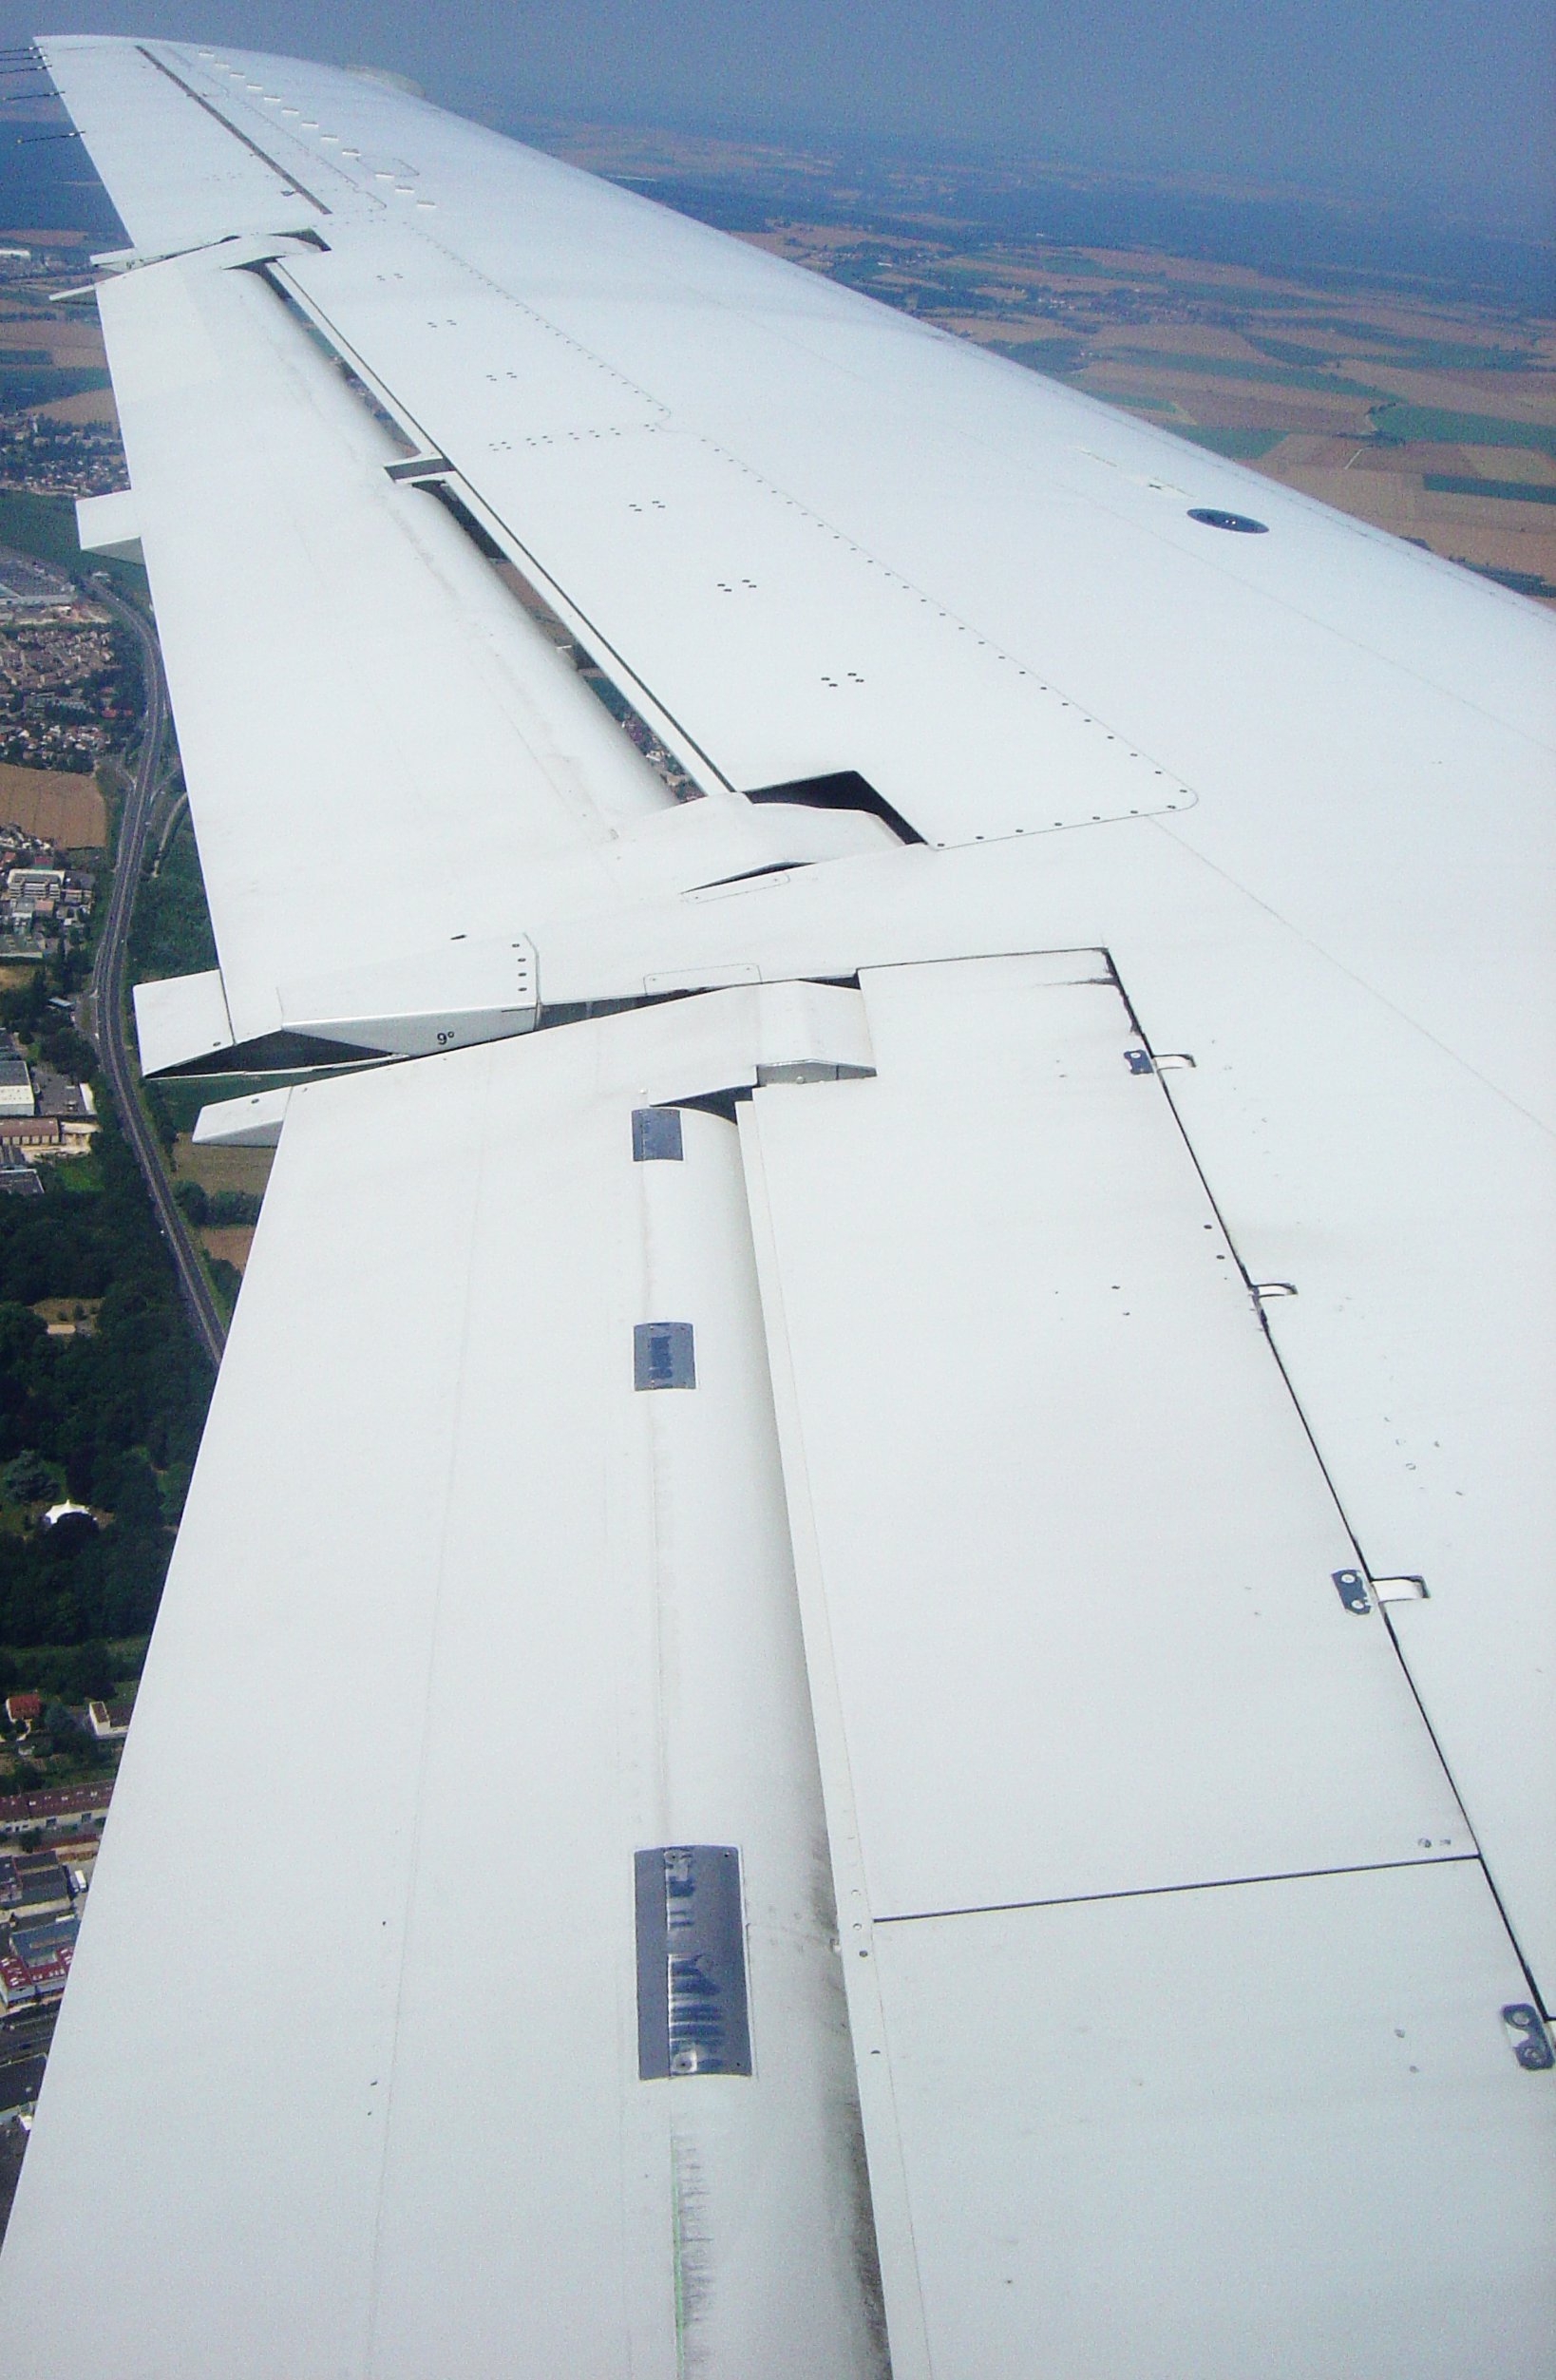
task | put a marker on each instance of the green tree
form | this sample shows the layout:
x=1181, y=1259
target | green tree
x=86, y=1674
x=26, y=1478
x=232, y=1206
x=193, y=1199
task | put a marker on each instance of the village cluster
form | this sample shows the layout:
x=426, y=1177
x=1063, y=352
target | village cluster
x=44, y=1115
x=46, y=457
x=64, y=682
x=48, y=1844
x=46, y=907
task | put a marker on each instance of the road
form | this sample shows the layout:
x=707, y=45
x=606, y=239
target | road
x=105, y=1002
x=24, y=2040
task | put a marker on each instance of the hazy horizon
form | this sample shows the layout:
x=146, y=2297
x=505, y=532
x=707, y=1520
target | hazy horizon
x=1442, y=108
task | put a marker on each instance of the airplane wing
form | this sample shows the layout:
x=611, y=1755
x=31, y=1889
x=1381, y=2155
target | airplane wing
x=859, y=1675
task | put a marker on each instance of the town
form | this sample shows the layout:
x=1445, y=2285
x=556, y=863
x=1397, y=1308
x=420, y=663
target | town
x=47, y=1846
x=44, y=456
x=46, y=905
x=68, y=677
x=44, y=1114
x=48, y=1843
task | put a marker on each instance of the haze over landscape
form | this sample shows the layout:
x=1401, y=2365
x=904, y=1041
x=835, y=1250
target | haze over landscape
x=1443, y=108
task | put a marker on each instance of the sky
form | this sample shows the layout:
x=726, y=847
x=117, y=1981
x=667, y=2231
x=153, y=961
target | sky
x=1442, y=105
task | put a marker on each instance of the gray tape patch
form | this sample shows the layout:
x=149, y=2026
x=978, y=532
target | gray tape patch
x=692, y=2012
x=662, y=1356
x=655, y=1133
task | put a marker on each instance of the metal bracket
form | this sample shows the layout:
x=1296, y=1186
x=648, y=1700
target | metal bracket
x=1142, y=1062
x=1352, y=1589
x=1531, y=2041
x=419, y=467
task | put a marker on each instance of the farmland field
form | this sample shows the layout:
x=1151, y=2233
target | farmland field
x=1404, y=373
x=61, y=806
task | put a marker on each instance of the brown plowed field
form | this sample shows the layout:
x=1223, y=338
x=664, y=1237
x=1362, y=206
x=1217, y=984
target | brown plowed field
x=64, y=810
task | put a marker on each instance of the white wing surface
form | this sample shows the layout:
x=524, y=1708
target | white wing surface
x=860, y=1669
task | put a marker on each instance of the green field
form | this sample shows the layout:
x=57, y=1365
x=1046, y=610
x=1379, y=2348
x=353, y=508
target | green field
x=1053, y=355
x=43, y=384
x=1236, y=445
x=1432, y=354
x=1234, y=368
x=1437, y=425
x=1291, y=351
x=1522, y=491
x=1135, y=404
x=1520, y=581
x=45, y=525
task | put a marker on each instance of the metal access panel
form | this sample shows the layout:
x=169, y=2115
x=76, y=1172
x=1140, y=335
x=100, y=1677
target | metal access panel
x=1065, y=1549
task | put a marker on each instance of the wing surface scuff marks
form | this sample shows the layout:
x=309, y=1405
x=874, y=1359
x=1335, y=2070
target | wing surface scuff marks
x=1058, y=1521
x=561, y=1632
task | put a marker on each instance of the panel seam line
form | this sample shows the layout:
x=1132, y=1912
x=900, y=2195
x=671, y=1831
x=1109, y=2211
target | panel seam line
x=1155, y=1891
